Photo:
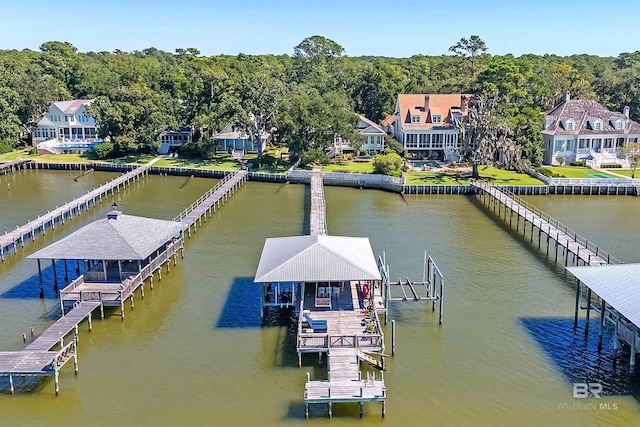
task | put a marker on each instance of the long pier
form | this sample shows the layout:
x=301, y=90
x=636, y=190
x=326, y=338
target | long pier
x=317, y=217
x=14, y=165
x=11, y=239
x=506, y=204
x=194, y=215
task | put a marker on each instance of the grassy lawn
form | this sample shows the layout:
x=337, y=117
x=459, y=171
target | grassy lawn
x=349, y=167
x=491, y=175
x=217, y=162
x=49, y=158
x=576, y=172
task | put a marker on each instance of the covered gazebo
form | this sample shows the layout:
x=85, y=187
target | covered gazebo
x=617, y=301
x=327, y=263
x=112, y=248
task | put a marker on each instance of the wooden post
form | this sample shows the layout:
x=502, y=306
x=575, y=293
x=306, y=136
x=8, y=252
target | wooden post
x=56, y=382
x=586, y=326
x=55, y=275
x=131, y=298
x=89, y=320
x=11, y=389
x=121, y=306
x=383, y=409
x=632, y=360
x=601, y=329
x=75, y=355
x=393, y=337
x=575, y=314
x=66, y=272
x=40, y=276
x=441, y=304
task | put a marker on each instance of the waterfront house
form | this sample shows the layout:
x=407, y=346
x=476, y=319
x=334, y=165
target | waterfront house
x=172, y=140
x=425, y=124
x=232, y=138
x=372, y=134
x=66, y=123
x=582, y=129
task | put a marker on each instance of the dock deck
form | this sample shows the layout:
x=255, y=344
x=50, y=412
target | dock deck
x=317, y=218
x=560, y=234
x=13, y=238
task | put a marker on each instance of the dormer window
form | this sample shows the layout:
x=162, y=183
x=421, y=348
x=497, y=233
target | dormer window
x=457, y=117
x=415, y=119
x=619, y=124
x=436, y=118
x=570, y=124
x=597, y=125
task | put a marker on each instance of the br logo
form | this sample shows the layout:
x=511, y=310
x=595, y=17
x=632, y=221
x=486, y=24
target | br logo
x=582, y=390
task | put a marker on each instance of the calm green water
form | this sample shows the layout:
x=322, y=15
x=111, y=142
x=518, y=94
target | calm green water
x=178, y=360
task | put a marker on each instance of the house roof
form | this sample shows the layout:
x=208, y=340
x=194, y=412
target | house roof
x=70, y=107
x=616, y=284
x=317, y=259
x=425, y=106
x=388, y=121
x=369, y=127
x=584, y=113
x=44, y=121
x=232, y=132
x=117, y=237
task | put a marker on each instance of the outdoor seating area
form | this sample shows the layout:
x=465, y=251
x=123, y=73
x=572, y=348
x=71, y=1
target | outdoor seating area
x=318, y=325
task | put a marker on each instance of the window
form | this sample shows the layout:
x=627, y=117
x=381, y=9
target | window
x=582, y=143
x=619, y=124
x=560, y=145
x=66, y=118
x=415, y=119
x=570, y=124
x=597, y=125
x=412, y=140
x=436, y=118
x=608, y=142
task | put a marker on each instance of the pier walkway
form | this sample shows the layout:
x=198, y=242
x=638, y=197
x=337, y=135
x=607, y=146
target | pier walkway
x=39, y=358
x=558, y=234
x=317, y=217
x=212, y=199
x=14, y=165
x=13, y=238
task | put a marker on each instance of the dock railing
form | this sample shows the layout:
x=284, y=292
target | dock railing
x=202, y=198
x=560, y=227
x=130, y=284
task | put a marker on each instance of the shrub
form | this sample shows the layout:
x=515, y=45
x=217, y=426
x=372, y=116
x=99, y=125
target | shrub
x=610, y=166
x=387, y=164
x=268, y=160
x=548, y=173
x=102, y=150
x=33, y=151
x=578, y=163
x=314, y=155
x=560, y=160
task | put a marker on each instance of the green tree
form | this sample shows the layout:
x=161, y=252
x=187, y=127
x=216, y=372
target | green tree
x=470, y=49
x=388, y=164
x=632, y=151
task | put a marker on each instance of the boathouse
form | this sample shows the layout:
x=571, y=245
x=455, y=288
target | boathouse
x=339, y=287
x=616, y=301
x=118, y=253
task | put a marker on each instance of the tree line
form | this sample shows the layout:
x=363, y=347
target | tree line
x=307, y=96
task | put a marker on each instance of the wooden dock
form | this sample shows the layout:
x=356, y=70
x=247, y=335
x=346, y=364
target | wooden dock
x=14, y=238
x=115, y=294
x=193, y=215
x=317, y=217
x=39, y=358
x=14, y=165
x=506, y=204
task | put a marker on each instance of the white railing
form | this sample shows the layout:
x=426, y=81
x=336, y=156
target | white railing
x=613, y=181
x=351, y=179
x=202, y=198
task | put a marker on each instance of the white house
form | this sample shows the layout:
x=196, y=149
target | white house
x=231, y=138
x=579, y=129
x=172, y=140
x=66, y=121
x=424, y=123
x=372, y=133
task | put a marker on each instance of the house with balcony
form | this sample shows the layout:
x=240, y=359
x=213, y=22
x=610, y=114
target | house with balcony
x=372, y=134
x=172, y=140
x=66, y=120
x=233, y=139
x=425, y=124
x=582, y=129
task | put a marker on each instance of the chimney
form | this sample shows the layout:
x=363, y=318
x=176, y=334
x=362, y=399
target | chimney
x=114, y=214
x=625, y=111
x=426, y=103
x=567, y=96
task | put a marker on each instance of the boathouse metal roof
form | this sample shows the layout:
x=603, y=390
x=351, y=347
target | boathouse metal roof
x=616, y=284
x=317, y=259
x=117, y=237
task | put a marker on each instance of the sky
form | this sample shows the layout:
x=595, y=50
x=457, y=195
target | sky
x=399, y=28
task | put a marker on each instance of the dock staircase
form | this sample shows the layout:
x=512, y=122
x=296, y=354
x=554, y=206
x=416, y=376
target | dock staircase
x=372, y=361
